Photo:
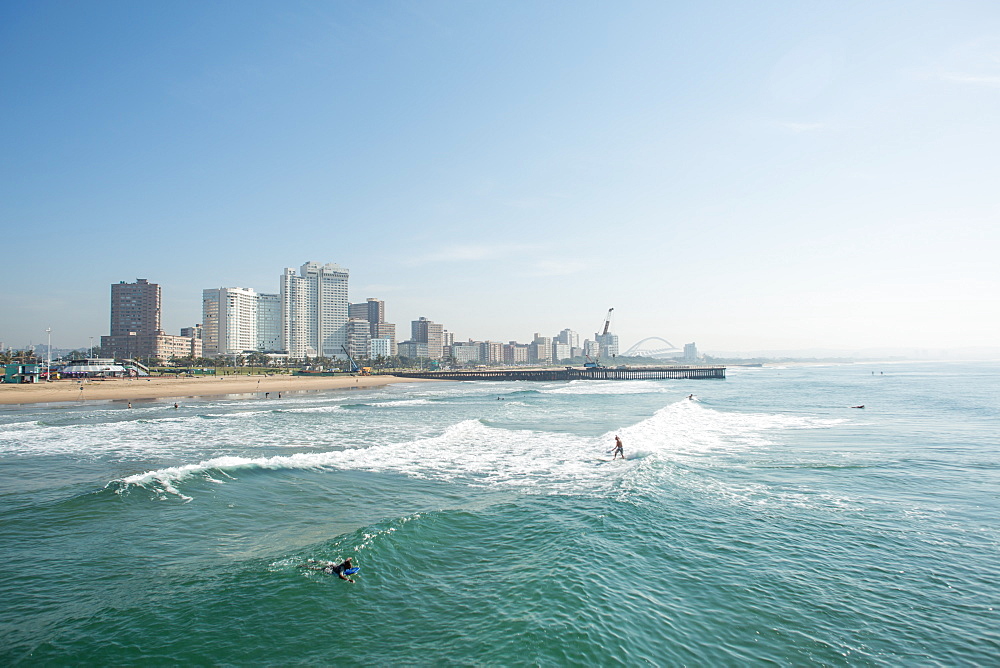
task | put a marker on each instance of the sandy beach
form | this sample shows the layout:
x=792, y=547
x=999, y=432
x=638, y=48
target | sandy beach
x=167, y=387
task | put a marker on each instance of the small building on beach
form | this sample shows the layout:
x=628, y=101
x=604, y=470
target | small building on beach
x=22, y=373
x=101, y=368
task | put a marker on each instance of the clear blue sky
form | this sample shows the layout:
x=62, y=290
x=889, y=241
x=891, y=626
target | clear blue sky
x=746, y=175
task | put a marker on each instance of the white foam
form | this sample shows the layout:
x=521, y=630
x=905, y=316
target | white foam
x=313, y=409
x=18, y=426
x=401, y=402
x=689, y=428
x=472, y=453
x=578, y=387
x=162, y=433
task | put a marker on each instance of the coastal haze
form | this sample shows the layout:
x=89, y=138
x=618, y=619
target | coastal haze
x=764, y=178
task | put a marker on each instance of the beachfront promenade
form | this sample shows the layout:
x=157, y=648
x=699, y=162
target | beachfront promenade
x=571, y=373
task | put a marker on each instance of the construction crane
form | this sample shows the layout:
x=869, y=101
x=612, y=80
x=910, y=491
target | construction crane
x=354, y=365
x=363, y=370
x=591, y=364
x=607, y=322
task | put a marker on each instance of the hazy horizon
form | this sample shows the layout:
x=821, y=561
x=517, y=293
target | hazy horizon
x=756, y=177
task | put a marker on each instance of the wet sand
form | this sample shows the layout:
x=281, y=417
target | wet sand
x=167, y=387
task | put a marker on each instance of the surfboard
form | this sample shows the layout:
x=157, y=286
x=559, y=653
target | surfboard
x=352, y=571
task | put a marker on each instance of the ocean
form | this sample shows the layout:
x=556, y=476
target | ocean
x=764, y=521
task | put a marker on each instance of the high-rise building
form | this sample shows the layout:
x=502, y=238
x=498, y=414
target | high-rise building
x=297, y=320
x=515, y=353
x=357, y=311
x=690, y=352
x=358, y=337
x=561, y=351
x=431, y=333
x=569, y=337
x=380, y=347
x=192, y=332
x=135, y=308
x=387, y=330
x=464, y=352
x=229, y=321
x=491, y=351
x=373, y=310
x=269, y=323
x=541, y=350
x=413, y=349
x=314, y=310
x=135, y=326
x=609, y=344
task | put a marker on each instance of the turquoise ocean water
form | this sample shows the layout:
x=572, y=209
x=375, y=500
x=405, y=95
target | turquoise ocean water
x=764, y=522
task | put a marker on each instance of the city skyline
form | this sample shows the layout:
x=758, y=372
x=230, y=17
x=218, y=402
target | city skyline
x=766, y=177
x=312, y=317
x=236, y=320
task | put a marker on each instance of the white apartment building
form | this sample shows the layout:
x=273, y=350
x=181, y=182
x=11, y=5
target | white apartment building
x=229, y=321
x=541, y=350
x=464, y=352
x=569, y=337
x=412, y=349
x=314, y=309
x=381, y=346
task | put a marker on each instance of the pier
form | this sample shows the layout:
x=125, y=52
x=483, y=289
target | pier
x=571, y=373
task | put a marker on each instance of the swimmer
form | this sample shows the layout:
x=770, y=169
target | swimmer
x=329, y=567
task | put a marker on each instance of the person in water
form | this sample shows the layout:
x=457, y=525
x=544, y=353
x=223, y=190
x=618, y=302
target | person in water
x=619, y=448
x=330, y=568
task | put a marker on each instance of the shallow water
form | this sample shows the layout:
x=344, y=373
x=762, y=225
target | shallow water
x=763, y=522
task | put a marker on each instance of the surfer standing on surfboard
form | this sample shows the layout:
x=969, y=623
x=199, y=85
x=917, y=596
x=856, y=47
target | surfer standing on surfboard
x=619, y=449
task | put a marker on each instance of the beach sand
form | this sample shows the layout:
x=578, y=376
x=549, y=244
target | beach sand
x=168, y=387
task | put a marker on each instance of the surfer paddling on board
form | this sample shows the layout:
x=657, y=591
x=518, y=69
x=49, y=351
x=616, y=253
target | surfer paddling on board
x=341, y=570
x=619, y=448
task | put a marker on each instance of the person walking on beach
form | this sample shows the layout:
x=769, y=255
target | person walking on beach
x=619, y=448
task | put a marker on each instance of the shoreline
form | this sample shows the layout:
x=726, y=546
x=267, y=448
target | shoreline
x=140, y=389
